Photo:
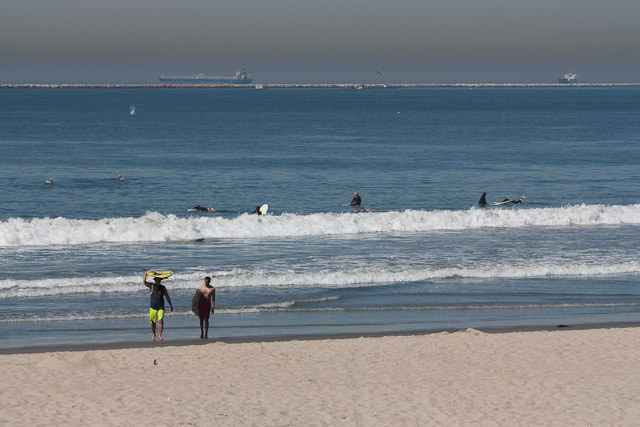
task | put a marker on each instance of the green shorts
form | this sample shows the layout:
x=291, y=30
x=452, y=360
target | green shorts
x=155, y=315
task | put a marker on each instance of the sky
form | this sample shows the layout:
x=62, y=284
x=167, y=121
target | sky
x=320, y=41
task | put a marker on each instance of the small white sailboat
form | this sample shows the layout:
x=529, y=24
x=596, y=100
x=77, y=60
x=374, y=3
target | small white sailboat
x=132, y=109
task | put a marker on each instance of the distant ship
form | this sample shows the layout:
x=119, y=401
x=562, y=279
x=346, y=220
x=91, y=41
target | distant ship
x=240, y=77
x=568, y=78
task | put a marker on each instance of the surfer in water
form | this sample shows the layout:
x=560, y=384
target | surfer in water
x=257, y=211
x=356, y=201
x=206, y=306
x=49, y=181
x=520, y=200
x=483, y=201
x=156, y=305
x=202, y=208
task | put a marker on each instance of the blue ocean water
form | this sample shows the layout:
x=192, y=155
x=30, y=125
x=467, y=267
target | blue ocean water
x=426, y=257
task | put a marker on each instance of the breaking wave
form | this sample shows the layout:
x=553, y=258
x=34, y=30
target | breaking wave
x=10, y=288
x=155, y=226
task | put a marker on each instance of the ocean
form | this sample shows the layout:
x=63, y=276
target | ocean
x=423, y=257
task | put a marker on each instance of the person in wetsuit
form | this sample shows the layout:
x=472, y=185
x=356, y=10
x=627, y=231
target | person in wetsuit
x=257, y=211
x=356, y=200
x=202, y=208
x=483, y=201
x=520, y=200
x=156, y=304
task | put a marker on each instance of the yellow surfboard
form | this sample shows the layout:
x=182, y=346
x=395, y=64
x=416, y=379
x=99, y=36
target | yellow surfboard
x=160, y=274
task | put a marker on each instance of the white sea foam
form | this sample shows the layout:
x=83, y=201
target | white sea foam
x=10, y=288
x=158, y=227
x=71, y=316
x=277, y=306
x=444, y=308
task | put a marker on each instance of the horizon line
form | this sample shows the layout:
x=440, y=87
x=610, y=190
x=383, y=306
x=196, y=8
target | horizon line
x=307, y=85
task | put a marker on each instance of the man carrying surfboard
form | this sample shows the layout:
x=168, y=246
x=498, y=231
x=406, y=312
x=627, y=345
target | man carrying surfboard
x=156, y=304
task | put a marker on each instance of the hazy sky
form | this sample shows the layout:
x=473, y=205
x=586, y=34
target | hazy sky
x=426, y=41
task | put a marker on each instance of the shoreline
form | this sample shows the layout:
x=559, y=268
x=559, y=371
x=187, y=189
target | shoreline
x=122, y=345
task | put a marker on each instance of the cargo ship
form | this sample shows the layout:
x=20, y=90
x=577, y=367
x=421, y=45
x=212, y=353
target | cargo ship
x=568, y=78
x=240, y=77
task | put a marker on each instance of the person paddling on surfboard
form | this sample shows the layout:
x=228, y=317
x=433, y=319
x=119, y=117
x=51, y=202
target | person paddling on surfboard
x=364, y=209
x=505, y=200
x=156, y=304
x=202, y=208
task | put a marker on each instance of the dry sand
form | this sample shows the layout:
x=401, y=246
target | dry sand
x=468, y=378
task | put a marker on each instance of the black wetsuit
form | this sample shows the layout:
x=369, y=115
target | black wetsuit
x=483, y=200
x=356, y=201
x=200, y=208
x=157, y=297
x=257, y=211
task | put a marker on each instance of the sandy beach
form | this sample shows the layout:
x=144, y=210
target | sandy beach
x=539, y=378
